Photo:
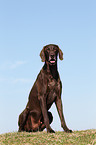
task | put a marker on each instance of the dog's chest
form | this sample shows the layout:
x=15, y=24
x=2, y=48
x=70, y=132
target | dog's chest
x=53, y=90
x=53, y=85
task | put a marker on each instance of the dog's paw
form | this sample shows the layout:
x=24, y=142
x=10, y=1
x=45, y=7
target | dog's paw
x=50, y=131
x=68, y=131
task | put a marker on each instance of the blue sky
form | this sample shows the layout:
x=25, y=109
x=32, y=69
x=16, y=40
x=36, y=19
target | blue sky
x=27, y=26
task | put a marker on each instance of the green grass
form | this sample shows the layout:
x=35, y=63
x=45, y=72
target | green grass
x=86, y=137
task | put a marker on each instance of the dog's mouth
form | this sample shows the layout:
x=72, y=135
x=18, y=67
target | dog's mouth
x=52, y=61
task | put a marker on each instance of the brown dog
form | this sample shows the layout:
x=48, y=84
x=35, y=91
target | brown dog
x=45, y=91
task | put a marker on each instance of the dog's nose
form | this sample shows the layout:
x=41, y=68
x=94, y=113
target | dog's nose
x=52, y=56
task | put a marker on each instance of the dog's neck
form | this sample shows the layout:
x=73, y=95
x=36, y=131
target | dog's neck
x=51, y=69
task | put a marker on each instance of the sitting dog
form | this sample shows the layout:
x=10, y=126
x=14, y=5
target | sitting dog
x=45, y=91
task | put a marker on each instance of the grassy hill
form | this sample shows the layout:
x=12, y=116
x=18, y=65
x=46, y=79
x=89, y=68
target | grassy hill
x=43, y=138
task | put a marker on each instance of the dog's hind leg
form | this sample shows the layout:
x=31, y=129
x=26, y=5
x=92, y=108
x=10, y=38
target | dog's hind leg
x=22, y=119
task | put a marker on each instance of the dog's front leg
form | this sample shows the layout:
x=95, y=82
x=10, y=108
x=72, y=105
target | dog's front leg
x=45, y=114
x=42, y=95
x=58, y=103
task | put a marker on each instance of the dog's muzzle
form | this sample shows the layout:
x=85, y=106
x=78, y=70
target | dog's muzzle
x=52, y=59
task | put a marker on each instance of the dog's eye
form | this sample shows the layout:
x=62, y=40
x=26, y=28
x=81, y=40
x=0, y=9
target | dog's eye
x=48, y=49
x=54, y=49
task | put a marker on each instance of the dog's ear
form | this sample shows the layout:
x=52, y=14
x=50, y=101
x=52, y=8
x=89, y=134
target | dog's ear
x=42, y=55
x=60, y=54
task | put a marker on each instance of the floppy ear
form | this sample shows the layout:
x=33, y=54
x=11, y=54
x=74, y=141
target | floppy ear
x=42, y=55
x=60, y=54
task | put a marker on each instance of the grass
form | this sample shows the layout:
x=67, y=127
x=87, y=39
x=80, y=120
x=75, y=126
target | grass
x=87, y=137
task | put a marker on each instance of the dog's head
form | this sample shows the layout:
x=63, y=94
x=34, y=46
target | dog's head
x=50, y=52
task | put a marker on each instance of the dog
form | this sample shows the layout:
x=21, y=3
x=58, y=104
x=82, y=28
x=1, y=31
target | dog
x=45, y=91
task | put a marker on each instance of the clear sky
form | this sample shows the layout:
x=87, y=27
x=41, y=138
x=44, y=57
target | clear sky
x=25, y=27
